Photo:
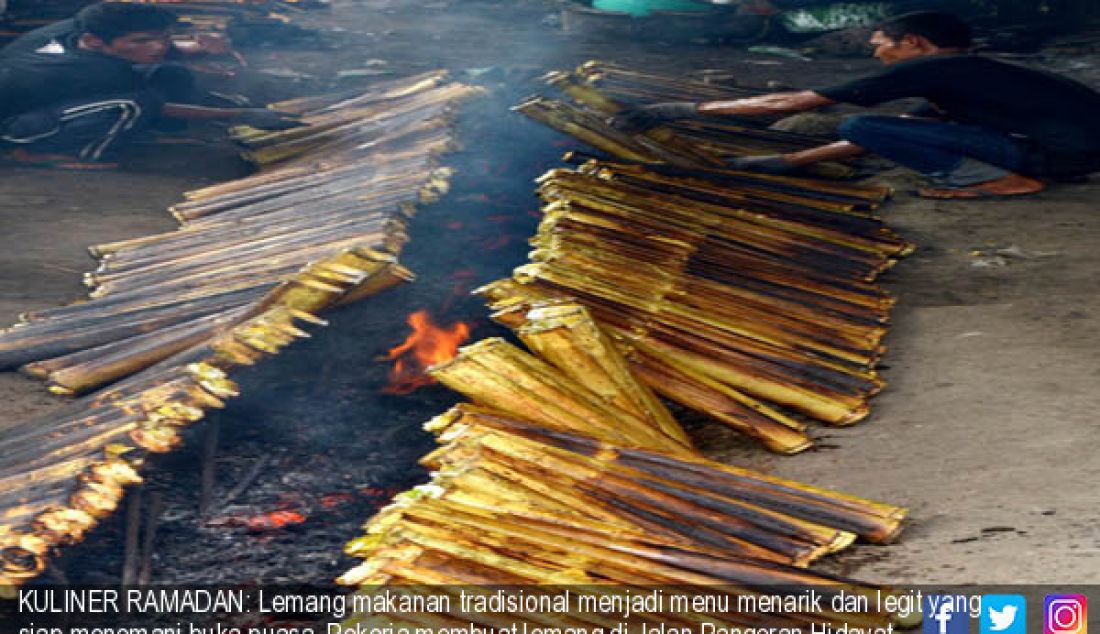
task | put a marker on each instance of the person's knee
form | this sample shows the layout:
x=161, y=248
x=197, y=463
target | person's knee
x=859, y=128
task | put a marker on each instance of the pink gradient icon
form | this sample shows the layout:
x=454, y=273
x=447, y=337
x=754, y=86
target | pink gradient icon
x=1065, y=614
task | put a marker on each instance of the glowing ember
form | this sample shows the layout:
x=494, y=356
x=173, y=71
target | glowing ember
x=275, y=519
x=333, y=500
x=427, y=345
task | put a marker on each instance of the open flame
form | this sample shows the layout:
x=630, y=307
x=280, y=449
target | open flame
x=427, y=345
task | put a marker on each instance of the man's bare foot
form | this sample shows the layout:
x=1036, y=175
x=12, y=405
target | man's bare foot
x=1011, y=185
x=61, y=161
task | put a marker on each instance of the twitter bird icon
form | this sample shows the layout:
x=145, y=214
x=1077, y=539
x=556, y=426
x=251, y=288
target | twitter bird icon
x=1004, y=614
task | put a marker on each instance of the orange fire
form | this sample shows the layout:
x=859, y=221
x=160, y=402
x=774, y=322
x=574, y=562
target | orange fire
x=427, y=345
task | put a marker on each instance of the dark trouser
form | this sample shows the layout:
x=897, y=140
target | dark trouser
x=89, y=129
x=952, y=153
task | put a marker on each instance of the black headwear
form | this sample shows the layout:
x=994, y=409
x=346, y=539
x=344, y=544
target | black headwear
x=942, y=29
x=108, y=20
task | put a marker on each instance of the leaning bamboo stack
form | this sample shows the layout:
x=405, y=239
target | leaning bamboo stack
x=172, y=315
x=750, y=298
x=348, y=180
x=745, y=306
x=565, y=470
x=61, y=474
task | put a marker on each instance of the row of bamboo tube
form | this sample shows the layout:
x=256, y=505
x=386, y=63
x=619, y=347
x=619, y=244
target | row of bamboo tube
x=749, y=298
x=349, y=179
x=566, y=470
x=61, y=474
x=601, y=90
x=728, y=136
x=171, y=315
x=736, y=309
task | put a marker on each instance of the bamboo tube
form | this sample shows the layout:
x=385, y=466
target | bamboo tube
x=717, y=401
x=871, y=520
x=510, y=361
x=609, y=486
x=566, y=336
x=30, y=343
x=551, y=114
x=547, y=403
x=102, y=365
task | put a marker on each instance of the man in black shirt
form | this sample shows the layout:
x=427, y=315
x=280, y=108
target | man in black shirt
x=988, y=129
x=71, y=92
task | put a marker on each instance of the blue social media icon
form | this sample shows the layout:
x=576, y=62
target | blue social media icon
x=1004, y=614
x=945, y=614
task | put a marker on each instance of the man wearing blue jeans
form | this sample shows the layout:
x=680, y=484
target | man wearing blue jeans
x=988, y=128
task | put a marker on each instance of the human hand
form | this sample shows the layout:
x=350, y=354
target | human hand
x=644, y=117
x=267, y=119
x=765, y=164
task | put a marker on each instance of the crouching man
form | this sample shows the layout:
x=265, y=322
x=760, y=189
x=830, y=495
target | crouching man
x=73, y=92
x=989, y=128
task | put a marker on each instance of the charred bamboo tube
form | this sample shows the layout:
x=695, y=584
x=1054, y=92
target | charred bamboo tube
x=872, y=520
x=850, y=342
x=547, y=403
x=609, y=486
x=718, y=401
x=120, y=305
x=190, y=242
x=776, y=521
x=619, y=145
x=566, y=336
x=352, y=184
x=666, y=310
x=560, y=396
x=835, y=409
x=750, y=381
x=722, y=202
x=697, y=215
x=274, y=266
x=102, y=365
x=662, y=141
x=32, y=342
x=214, y=259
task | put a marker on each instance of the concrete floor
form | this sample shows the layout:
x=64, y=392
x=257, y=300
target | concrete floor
x=988, y=428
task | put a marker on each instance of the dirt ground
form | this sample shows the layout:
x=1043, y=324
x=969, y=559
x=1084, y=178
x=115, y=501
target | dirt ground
x=988, y=426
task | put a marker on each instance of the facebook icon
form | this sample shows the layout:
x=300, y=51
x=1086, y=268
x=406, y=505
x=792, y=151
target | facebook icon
x=945, y=614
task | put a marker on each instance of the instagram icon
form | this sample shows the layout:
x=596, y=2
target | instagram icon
x=1065, y=614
